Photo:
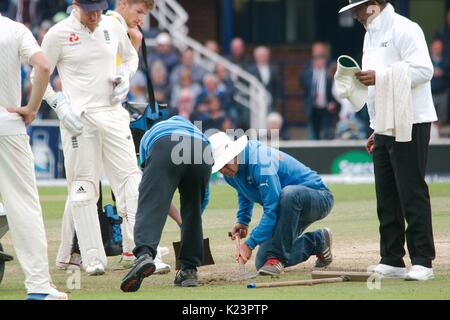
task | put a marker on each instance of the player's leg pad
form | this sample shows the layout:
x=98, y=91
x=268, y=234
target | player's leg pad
x=84, y=211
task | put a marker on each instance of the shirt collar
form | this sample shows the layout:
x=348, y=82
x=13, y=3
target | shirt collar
x=382, y=19
x=75, y=21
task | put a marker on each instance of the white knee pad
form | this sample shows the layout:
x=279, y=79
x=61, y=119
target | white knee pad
x=84, y=211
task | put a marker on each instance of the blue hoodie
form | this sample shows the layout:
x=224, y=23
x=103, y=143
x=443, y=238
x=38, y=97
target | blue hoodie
x=177, y=126
x=265, y=172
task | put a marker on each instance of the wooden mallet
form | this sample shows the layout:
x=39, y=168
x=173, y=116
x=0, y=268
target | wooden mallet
x=296, y=283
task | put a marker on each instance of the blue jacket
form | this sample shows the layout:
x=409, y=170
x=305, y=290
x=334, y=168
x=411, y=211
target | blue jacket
x=261, y=177
x=176, y=125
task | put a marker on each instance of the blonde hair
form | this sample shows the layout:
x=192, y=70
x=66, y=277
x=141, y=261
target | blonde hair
x=149, y=3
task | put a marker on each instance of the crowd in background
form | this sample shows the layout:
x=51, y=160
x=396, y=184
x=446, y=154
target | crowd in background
x=189, y=90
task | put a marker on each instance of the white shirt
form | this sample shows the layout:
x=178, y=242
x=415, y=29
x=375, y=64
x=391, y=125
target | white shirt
x=392, y=38
x=264, y=71
x=17, y=45
x=86, y=61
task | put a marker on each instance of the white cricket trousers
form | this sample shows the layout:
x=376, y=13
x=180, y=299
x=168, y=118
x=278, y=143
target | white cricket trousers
x=24, y=213
x=106, y=143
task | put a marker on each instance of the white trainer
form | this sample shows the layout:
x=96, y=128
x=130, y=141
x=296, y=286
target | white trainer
x=95, y=269
x=127, y=260
x=161, y=266
x=386, y=271
x=420, y=273
x=52, y=295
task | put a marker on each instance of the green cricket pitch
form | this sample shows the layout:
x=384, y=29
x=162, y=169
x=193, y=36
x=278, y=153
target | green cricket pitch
x=355, y=246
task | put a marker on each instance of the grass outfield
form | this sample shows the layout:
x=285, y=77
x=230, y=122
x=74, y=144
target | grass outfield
x=353, y=222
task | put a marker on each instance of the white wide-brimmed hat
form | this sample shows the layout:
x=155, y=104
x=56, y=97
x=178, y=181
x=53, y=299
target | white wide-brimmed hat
x=224, y=149
x=347, y=85
x=352, y=4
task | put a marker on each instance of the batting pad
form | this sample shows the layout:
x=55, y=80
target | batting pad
x=84, y=212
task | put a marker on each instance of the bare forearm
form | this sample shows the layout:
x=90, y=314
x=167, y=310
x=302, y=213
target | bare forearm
x=175, y=214
x=40, y=81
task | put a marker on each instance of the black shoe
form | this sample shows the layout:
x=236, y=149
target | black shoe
x=186, y=278
x=325, y=258
x=143, y=267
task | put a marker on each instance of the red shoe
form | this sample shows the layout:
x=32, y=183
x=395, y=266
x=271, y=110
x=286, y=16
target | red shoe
x=272, y=267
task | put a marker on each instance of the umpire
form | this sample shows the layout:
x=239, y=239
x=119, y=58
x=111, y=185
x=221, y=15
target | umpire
x=175, y=154
x=402, y=193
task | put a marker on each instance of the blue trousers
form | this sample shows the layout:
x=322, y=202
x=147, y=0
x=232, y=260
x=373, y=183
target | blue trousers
x=299, y=207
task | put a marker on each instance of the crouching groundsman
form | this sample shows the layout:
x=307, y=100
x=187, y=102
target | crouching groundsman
x=291, y=194
x=175, y=154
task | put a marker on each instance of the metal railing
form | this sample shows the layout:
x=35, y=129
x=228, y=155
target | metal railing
x=250, y=92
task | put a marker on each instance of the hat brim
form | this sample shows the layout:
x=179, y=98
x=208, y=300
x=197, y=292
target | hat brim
x=351, y=6
x=236, y=148
x=101, y=6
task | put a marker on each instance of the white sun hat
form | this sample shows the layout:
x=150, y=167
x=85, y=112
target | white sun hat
x=352, y=4
x=224, y=149
x=347, y=85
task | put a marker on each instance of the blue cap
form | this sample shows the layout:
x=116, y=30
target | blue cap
x=93, y=5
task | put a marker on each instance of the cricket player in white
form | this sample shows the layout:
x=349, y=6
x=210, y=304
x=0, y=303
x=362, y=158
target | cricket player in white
x=130, y=14
x=17, y=178
x=94, y=127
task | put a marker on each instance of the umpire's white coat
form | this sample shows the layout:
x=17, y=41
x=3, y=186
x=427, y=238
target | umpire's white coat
x=392, y=38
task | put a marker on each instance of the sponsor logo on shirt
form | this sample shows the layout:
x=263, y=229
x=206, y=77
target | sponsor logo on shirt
x=385, y=44
x=74, y=39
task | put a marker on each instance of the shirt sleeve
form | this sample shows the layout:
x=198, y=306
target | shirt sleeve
x=126, y=51
x=28, y=45
x=414, y=51
x=205, y=199
x=52, y=50
x=245, y=211
x=269, y=188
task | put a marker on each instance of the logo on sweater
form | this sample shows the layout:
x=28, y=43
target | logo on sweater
x=385, y=44
x=73, y=38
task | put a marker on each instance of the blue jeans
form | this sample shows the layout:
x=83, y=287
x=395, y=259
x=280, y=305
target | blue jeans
x=299, y=207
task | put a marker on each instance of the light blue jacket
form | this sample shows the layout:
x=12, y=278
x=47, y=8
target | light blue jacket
x=265, y=172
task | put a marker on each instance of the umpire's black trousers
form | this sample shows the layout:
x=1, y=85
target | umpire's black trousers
x=402, y=193
x=162, y=176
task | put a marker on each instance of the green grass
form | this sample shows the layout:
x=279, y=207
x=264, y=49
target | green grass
x=355, y=228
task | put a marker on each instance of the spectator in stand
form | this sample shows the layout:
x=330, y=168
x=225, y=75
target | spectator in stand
x=185, y=83
x=187, y=63
x=185, y=104
x=275, y=130
x=237, y=53
x=43, y=29
x=225, y=82
x=317, y=83
x=164, y=52
x=46, y=10
x=444, y=35
x=266, y=74
x=158, y=74
x=212, y=88
x=213, y=46
x=440, y=81
x=138, y=88
x=215, y=118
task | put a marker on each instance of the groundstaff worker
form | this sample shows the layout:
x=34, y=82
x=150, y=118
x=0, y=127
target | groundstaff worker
x=292, y=196
x=175, y=155
x=397, y=70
